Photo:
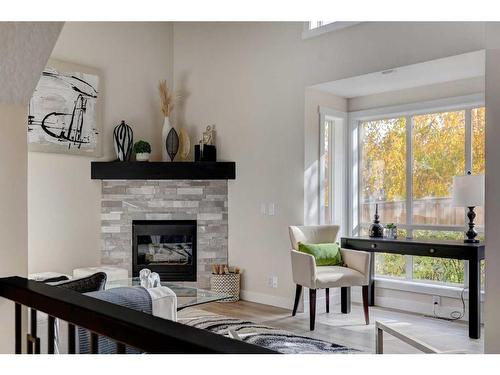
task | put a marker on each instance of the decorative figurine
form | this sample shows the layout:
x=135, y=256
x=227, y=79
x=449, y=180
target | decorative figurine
x=144, y=277
x=149, y=279
x=206, y=150
x=209, y=136
x=376, y=230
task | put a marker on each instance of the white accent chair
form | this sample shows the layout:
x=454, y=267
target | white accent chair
x=355, y=271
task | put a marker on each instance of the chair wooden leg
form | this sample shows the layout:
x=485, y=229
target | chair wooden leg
x=312, y=308
x=327, y=292
x=298, y=293
x=365, y=304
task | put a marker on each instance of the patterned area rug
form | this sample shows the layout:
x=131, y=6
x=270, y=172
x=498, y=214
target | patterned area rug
x=268, y=337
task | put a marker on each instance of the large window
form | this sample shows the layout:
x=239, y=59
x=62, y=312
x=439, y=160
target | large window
x=406, y=166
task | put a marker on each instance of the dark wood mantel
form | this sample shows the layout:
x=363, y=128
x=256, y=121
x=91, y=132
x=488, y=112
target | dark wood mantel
x=133, y=170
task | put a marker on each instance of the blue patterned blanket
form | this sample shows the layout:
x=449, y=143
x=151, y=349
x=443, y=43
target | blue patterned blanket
x=136, y=298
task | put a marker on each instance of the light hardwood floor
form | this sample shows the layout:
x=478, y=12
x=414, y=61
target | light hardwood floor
x=350, y=330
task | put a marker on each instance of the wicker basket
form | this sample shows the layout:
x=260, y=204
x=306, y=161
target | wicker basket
x=227, y=283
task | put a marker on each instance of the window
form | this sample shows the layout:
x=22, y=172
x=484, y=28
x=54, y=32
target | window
x=326, y=159
x=438, y=155
x=382, y=171
x=315, y=24
x=315, y=28
x=450, y=271
x=332, y=170
x=332, y=150
x=406, y=166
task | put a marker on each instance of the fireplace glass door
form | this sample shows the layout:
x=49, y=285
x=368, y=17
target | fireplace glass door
x=167, y=247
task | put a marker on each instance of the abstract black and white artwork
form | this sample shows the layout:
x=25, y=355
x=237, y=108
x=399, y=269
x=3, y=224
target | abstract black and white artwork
x=63, y=115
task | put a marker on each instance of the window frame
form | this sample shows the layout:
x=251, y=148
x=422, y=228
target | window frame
x=465, y=103
x=337, y=178
x=322, y=167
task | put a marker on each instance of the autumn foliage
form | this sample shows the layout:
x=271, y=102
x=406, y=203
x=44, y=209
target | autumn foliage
x=438, y=153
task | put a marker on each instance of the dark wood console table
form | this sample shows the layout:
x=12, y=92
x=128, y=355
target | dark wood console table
x=473, y=253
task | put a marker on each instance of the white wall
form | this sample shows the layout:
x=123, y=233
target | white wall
x=24, y=50
x=13, y=220
x=250, y=79
x=492, y=204
x=64, y=204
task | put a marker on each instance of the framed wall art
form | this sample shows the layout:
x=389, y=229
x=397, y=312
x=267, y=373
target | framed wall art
x=64, y=114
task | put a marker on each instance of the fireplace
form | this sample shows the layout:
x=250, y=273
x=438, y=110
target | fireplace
x=167, y=247
x=202, y=201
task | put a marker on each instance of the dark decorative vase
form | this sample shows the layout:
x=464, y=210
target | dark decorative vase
x=123, y=138
x=172, y=144
x=376, y=230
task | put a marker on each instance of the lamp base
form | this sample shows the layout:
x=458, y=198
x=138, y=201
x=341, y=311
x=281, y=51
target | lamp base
x=467, y=240
x=471, y=234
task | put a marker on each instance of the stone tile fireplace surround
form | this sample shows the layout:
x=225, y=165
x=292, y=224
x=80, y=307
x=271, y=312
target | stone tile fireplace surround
x=202, y=200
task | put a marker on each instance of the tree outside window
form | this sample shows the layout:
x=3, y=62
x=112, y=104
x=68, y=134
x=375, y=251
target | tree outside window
x=438, y=153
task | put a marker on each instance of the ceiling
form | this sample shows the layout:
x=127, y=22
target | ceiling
x=24, y=50
x=453, y=68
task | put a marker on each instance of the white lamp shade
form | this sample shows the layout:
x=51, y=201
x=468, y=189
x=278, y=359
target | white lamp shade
x=468, y=191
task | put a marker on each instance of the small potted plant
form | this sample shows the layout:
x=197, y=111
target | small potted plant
x=391, y=231
x=142, y=150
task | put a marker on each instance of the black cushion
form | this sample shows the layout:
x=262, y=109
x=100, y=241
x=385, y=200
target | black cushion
x=91, y=283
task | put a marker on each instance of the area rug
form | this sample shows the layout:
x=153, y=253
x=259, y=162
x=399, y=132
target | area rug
x=272, y=338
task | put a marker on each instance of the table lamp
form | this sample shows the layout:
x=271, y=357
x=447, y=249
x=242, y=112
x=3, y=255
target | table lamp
x=468, y=191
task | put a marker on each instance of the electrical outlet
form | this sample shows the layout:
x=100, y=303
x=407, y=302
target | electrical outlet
x=275, y=281
x=436, y=300
x=269, y=209
x=272, y=281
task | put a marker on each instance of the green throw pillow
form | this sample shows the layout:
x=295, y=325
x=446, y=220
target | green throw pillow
x=325, y=254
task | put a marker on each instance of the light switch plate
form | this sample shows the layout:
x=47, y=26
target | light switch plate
x=272, y=209
x=263, y=209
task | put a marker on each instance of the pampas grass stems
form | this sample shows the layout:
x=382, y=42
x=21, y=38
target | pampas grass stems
x=166, y=98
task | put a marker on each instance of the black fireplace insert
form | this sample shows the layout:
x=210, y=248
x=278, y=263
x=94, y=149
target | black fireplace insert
x=167, y=247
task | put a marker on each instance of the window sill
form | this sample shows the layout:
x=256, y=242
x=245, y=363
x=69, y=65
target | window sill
x=423, y=288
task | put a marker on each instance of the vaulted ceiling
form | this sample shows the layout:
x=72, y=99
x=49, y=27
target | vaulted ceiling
x=25, y=48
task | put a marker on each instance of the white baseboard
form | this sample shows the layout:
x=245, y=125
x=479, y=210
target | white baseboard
x=287, y=303
x=267, y=299
x=388, y=302
x=423, y=308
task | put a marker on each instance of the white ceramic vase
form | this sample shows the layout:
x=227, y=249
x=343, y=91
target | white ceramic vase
x=164, y=133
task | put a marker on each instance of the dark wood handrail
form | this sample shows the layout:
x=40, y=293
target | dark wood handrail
x=126, y=326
